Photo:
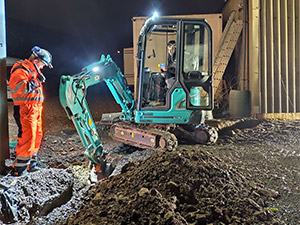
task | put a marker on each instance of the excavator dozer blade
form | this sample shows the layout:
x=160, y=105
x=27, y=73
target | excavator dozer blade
x=110, y=118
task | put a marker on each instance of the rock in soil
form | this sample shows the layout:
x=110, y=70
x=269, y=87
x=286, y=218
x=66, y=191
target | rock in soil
x=181, y=187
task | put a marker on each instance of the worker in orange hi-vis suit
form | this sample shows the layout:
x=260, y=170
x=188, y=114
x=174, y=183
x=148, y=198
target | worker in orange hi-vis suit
x=26, y=83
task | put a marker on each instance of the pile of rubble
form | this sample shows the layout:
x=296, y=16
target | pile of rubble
x=181, y=187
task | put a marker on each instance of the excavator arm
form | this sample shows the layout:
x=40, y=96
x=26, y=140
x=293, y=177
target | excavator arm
x=72, y=94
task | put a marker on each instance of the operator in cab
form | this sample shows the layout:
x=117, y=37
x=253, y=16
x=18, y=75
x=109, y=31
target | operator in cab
x=167, y=79
x=26, y=83
x=169, y=70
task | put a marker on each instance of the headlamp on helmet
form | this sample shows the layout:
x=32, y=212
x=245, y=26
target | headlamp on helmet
x=43, y=55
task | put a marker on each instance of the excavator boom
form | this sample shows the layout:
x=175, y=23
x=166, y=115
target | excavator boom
x=72, y=93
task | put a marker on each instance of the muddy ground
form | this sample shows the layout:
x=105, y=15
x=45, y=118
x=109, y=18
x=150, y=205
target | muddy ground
x=251, y=176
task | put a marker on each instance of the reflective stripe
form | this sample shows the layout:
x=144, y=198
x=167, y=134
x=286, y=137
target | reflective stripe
x=37, y=91
x=21, y=161
x=24, y=99
x=23, y=158
x=25, y=91
x=17, y=87
x=17, y=164
x=29, y=95
x=36, y=94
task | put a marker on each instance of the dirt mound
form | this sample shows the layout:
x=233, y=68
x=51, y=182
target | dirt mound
x=179, y=187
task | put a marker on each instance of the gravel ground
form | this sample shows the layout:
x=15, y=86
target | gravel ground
x=270, y=152
x=259, y=154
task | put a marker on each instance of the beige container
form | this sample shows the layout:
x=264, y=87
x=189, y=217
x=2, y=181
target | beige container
x=214, y=20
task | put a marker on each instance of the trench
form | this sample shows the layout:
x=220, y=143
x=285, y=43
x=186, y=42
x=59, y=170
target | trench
x=36, y=195
x=57, y=202
x=9, y=211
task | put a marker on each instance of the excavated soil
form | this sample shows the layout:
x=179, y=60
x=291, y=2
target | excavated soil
x=251, y=176
x=180, y=187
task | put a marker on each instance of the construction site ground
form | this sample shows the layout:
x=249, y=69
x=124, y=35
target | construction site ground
x=250, y=176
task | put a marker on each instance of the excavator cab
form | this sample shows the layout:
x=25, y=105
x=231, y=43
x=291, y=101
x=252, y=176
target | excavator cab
x=174, y=71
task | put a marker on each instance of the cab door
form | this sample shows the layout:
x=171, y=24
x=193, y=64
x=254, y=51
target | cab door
x=195, y=68
x=152, y=76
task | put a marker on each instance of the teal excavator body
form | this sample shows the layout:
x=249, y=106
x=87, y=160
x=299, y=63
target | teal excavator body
x=172, y=90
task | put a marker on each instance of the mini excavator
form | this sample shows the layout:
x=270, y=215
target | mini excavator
x=150, y=121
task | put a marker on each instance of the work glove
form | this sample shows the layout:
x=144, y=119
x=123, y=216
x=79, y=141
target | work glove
x=31, y=86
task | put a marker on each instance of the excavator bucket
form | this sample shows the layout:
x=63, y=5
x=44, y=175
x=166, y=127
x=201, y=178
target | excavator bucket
x=101, y=170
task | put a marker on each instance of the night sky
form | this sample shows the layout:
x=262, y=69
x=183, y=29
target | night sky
x=77, y=32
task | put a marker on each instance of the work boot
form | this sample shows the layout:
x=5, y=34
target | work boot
x=18, y=172
x=20, y=166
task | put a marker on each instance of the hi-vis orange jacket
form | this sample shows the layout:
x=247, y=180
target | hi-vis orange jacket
x=25, y=86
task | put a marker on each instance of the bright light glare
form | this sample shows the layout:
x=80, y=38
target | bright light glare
x=155, y=15
x=95, y=69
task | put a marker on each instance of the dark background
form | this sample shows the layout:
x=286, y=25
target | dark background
x=77, y=32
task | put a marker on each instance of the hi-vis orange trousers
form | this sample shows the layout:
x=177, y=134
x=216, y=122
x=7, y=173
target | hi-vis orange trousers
x=29, y=120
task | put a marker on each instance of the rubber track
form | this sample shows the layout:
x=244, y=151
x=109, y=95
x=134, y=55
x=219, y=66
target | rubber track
x=170, y=138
